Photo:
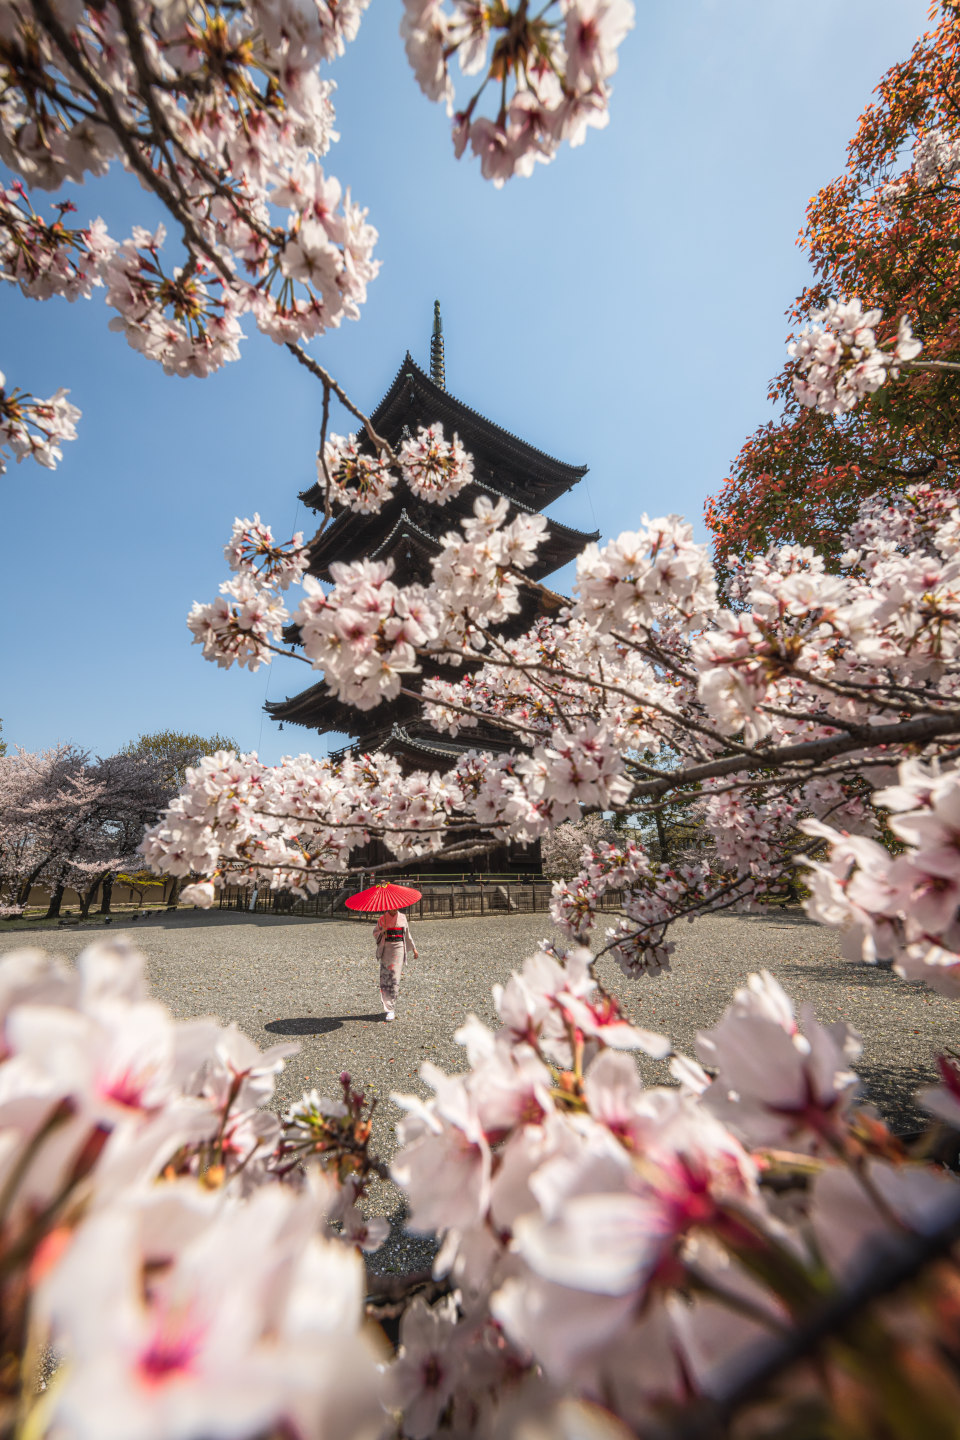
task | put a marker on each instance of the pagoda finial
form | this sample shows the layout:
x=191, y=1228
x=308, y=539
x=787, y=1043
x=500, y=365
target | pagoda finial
x=437, y=374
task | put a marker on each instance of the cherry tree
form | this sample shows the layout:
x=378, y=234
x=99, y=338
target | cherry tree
x=783, y=707
x=562, y=848
x=224, y=112
x=25, y=849
x=67, y=821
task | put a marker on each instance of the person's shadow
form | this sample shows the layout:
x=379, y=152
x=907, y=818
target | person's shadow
x=307, y=1025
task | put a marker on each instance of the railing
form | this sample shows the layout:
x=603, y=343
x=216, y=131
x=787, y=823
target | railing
x=441, y=899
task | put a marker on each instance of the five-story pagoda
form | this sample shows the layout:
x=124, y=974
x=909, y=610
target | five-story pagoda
x=407, y=530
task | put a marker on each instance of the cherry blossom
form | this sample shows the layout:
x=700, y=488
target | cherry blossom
x=839, y=361
x=550, y=72
x=35, y=428
x=223, y=114
x=936, y=159
x=359, y=481
x=904, y=907
x=798, y=1097
x=433, y=468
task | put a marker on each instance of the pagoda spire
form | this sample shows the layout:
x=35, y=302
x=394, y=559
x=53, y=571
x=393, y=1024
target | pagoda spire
x=437, y=374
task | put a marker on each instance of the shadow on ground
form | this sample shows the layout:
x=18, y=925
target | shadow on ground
x=774, y=918
x=843, y=972
x=308, y=1025
x=893, y=1089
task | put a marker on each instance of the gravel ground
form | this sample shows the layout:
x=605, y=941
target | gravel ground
x=316, y=982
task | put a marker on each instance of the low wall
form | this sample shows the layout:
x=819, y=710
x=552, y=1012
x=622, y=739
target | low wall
x=122, y=896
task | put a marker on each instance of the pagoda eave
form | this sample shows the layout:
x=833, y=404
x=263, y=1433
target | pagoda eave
x=417, y=751
x=351, y=538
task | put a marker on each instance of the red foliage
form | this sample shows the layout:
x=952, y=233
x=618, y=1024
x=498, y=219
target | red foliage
x=800, y=478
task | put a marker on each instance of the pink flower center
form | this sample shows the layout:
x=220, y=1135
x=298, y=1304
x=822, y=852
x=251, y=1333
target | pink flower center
x=171, y=1351
x=432, y=1372
x=127, y=1088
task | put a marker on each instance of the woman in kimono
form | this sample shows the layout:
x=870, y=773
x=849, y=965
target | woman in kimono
x=393, y=941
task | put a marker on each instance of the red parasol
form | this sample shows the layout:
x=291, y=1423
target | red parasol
x=383, y=897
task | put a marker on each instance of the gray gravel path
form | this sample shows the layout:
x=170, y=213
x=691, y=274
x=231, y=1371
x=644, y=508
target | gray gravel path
x=316, y=982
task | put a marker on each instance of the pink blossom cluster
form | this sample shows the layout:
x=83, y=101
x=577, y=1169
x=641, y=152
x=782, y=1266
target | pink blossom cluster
x=245, y=623
x=549, y=73
x=839, y=360
x=222, y=113
x=646, y=575
x=478, y=576
x=242, y=625
x=936, y=159
x=435, y=469
x=45, y=258
x=187, y=321
x=286, y=825
x=610, y=1253
x=353, y=478
x=252, y=548
x=898, y=906
x=364, y=634
x=620, y=1245
x=34, y=428
x=190, y=1280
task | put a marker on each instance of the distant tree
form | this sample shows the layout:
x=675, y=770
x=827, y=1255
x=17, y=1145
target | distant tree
x=175, y=751
x=887, y=234
x=562, y=848
x=25, y=845
x=3, y=743
x=140, y=881
x=71, y=821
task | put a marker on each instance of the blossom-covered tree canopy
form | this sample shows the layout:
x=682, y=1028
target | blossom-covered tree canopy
x=776, y=712
x=886, y=233
x=225, y=113
x=70, y=820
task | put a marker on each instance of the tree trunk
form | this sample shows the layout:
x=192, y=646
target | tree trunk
x=174, y=893
x=56, y=900
x=30, y=881
x=107, y=893
x=661, y=838
x=86, y=899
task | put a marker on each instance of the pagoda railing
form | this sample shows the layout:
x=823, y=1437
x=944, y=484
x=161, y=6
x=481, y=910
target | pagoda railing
x=446, y=897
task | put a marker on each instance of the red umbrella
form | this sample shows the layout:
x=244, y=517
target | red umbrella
x=383, y=897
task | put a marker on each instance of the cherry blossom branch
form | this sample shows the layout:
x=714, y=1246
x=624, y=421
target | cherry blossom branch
x=812, y=752
x=883, y=1278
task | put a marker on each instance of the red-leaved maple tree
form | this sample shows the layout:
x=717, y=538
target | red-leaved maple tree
x=886, y=231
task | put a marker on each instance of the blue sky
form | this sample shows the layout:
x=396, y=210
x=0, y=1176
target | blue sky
x=623, y=308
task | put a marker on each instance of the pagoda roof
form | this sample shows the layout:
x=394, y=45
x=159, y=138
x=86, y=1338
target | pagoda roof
x=501, y=460
x=318, y=708
x=414, y=530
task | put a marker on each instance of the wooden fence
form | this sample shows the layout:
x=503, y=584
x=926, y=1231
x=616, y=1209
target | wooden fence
x=441, y=900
